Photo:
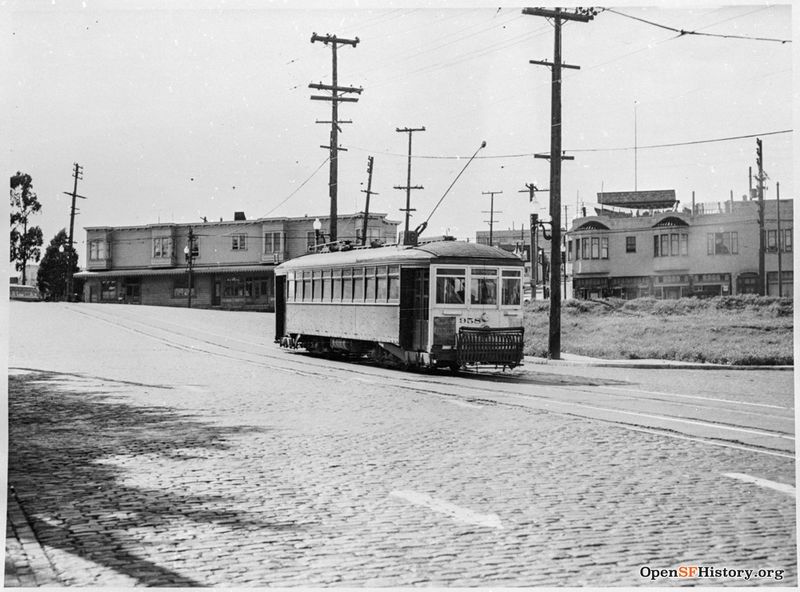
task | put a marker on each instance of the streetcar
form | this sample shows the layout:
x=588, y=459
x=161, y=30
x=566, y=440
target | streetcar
x=439, y=304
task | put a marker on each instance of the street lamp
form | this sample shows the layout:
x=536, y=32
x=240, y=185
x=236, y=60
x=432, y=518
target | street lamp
x=317, y=226
x=61, y=250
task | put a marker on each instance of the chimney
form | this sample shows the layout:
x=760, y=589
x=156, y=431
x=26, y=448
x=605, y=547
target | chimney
x=238, y=216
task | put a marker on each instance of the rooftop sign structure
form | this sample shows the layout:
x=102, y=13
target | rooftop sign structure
x=650, y=200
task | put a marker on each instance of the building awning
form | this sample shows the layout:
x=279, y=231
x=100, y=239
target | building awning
x=148, y=272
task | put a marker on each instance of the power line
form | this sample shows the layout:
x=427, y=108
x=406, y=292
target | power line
x=531, y=154
x=682, y=32
x=298, y=188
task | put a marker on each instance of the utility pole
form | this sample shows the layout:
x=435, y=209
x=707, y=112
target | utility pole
x=491, y=215
x=77, y=173
x=407, y=240
x=189, y=253
x=335, y=99
x=531, y=189
x=369, y=192
x=780, y=259
x=762, y=278
x=558, y=15
x=564, y=246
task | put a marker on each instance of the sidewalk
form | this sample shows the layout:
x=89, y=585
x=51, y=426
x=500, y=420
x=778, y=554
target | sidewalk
x=568, y=359
x=26, y=565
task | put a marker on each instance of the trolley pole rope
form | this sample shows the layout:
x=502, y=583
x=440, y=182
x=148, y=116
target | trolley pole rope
x=424, y=225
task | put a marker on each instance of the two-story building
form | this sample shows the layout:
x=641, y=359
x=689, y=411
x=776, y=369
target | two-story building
x=232, y=262
x=645, y=246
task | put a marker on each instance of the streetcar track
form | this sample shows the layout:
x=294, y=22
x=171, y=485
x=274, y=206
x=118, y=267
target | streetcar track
x=477, y=401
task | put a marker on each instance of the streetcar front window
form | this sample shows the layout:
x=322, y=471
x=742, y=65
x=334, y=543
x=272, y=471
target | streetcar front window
x=512, y=287
x=483, y=287
x=450, y=285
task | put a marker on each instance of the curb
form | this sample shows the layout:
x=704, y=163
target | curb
x=649, y=364
x=30, y=565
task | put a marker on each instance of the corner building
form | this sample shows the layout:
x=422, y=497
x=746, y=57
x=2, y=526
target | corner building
x=233, y=261
x=655, y=250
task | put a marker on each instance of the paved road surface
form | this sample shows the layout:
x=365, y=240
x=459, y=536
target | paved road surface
x=151, y=446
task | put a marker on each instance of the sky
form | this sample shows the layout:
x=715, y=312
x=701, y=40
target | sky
x=181, y=110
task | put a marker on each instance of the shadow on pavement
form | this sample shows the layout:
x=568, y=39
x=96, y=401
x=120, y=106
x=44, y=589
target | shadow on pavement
x=58, y=439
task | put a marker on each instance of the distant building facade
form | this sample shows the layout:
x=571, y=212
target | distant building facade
x=232, y=265
x=655, y=250
x=519, y=241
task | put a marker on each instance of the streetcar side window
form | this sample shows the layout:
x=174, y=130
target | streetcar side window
x=307, y=286
x=347, y=284
x=512, y=287
x=337, y=285
x=394, y=283
x=483, y=286
x=370, y=285
x=451, y=284
x=358, y=284
x=381, y=291
x=326, y=284
x=317, y=285
x=290, y=287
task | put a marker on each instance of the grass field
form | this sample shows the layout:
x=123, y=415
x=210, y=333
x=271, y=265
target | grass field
x=724, y=330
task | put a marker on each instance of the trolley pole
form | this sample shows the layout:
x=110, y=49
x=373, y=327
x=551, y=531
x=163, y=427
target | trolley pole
x=558, y=15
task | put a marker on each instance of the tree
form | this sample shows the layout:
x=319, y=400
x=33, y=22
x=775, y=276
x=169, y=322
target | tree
x=52, y=278
x=25, y=242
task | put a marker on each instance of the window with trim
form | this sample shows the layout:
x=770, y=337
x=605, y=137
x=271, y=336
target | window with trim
x=594, y=247
x=673, y=244
x=785, y=237
x=97, y=250
x=722, y=243
x=483, y=286
x=162, y=247
x=630, y=244
x=511, y=287
x=451, y=283
x=272, y=242
x=239, y=242
x=180, y=287
x=108, y=290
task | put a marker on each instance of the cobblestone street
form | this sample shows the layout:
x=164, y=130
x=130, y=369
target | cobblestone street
x=139, y=458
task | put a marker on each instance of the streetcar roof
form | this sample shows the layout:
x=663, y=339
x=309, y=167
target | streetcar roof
x=438, y=252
